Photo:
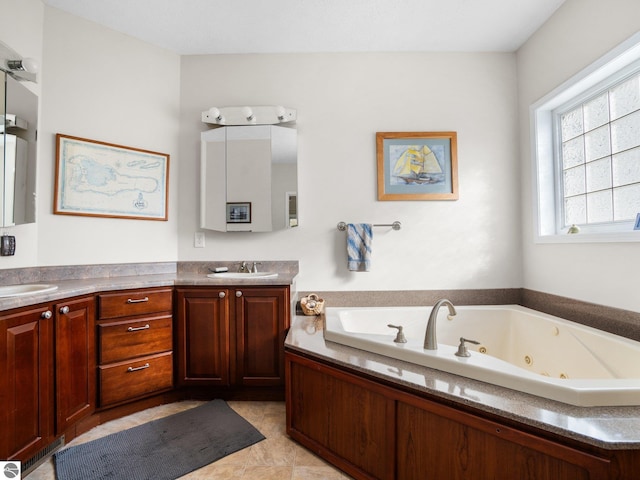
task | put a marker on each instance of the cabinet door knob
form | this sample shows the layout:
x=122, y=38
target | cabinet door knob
x=47, y=314
x=64, y=310
x=222, y=294
x=238, y=293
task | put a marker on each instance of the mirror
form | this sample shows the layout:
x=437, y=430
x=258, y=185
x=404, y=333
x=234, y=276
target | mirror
x=249, y=178
x=18, y=144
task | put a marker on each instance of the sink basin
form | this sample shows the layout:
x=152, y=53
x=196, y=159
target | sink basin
x=245, y=275
x=27, y=289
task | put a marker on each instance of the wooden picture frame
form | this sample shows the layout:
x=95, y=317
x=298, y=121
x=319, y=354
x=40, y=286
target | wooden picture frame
x=100, y=179
x=417, y=165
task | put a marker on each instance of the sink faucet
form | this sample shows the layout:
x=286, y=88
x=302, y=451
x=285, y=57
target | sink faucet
x=244, y=267
x=430, y=341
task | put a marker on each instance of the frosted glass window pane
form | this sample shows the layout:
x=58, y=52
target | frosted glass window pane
x=599, y=175
x=625, y=98
x=573, y=152
x=597, y=144
x=571, y=124
x=596, y=112
x=574, y=181
x=626, y=167
x=627, y=202
x=599, y=207
x=625, y=132
x=575, y=210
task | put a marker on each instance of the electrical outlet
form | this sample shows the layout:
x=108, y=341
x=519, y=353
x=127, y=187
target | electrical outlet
x=198, y=240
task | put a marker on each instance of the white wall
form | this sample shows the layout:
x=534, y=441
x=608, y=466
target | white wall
x=342, y=100
x=22, y=31
x=579, y=33
x=102, y=85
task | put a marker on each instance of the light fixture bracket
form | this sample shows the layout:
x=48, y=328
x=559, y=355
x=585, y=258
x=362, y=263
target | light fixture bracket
x=249, y=115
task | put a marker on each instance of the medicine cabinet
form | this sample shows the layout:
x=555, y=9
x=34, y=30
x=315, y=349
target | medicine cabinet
x=249, y=178
x=18, y=145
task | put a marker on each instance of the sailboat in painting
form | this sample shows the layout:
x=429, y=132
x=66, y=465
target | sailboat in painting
x=418, y=165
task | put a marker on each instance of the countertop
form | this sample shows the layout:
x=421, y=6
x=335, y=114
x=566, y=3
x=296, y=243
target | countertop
x=610, y=428
x=86, y=286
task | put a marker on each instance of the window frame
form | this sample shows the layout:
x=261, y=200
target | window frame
x=614, y=66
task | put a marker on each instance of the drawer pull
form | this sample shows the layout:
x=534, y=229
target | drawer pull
x=139, y=300
x=136, y=329
x=135, y=369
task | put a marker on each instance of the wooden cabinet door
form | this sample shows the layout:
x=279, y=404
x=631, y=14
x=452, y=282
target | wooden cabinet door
x=343, y=418
x=261, y=316
x=203, y=337
x=26, y=383
x=435, y=441
x=75, y=361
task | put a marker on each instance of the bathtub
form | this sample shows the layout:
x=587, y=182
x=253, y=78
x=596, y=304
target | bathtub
x=519, y=348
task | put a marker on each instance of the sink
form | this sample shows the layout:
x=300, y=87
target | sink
x=240, y=275
x=26, y=289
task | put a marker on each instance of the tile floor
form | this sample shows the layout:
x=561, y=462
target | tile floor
x=276, y=458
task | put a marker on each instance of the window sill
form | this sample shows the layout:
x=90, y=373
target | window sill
x=613, y=237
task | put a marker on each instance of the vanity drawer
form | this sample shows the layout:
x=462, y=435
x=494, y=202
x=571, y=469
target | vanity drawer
x=133, y=338
x=134, y=302
x=124, y=381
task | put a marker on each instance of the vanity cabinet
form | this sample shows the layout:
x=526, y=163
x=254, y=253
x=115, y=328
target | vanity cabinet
x=232, y=336
x=47, y=373
x=26, y=382
x=75, y=361
x=375, y=431
x=135, y=344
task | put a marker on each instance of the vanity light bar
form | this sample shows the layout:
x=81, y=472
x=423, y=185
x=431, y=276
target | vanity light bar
x=249, y=115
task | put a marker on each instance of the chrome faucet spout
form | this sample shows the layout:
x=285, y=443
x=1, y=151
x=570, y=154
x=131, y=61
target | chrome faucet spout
x=430, y=340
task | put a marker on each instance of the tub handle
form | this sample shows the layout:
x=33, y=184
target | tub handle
x=462, y=348
x=400, y=338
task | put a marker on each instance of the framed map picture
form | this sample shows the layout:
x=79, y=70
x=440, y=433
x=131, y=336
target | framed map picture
x=105, y=180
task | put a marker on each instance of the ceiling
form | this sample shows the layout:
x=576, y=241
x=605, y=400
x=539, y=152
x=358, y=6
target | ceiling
x=280, y=26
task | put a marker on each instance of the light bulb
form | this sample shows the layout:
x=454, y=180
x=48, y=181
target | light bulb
x=248, y=113
x=30, y=65
x=215, y=113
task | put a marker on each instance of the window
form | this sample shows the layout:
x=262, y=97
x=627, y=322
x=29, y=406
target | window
x=599, y=156
x=587, y=152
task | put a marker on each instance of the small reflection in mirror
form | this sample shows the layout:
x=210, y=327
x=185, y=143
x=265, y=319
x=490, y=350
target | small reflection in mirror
x=292, y=209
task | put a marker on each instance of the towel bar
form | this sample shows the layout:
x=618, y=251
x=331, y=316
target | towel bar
x=342, y=226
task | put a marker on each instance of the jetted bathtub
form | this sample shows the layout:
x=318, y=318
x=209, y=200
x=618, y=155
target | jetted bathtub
x=518, y=348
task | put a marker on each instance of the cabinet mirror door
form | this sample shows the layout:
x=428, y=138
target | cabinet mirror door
x=249, y=179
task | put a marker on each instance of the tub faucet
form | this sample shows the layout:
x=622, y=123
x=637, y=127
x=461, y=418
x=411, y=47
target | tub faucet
x=430, y=341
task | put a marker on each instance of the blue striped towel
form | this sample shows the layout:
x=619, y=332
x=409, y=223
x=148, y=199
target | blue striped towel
x=359, y=237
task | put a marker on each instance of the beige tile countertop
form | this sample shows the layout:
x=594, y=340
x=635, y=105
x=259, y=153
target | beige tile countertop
x=605, y=427
x=78, y=280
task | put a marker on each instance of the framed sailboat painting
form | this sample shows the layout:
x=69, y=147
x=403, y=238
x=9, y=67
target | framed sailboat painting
x=417, y=165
